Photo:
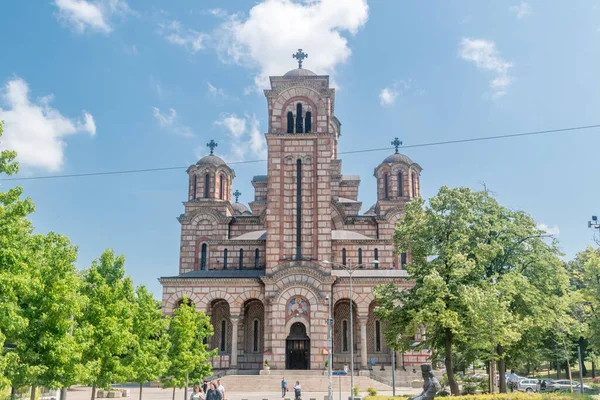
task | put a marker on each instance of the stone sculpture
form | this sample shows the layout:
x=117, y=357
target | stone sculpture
x=431, y=385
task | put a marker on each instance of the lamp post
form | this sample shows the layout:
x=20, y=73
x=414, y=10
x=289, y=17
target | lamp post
x=594, y=224
x=350, y=269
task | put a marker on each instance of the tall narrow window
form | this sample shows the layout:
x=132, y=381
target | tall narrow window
x=359, y=256
x=377, y=336
x=343, y=256
x=299, y=118
x=402, y=260
x=414, y=185
x=203, y=257
x=241, y=258
x=206, y=185
x=225, y=259
x=256, y=258
x=255, y=336
x=400, y=185
x=221, y=187
x=223, y=344
x=344, y=335
x=290, y=122
x=299, y=206
x=308, y=122
x=385, y=184
x=194, y=188
x=376, y=257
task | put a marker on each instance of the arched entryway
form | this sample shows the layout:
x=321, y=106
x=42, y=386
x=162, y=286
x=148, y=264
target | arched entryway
x=297, y=348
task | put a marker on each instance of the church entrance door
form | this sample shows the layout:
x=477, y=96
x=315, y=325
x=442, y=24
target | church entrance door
x=297, y=348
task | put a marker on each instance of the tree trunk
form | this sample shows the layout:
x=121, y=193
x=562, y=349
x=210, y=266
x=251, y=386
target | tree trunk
x=13, y=393
x=33, y=390
x=593, y=369
x=492, y=376
x=448, y=362
x=63, y=393
x=141, y=390
x=186, y=387
x=173, y=392
x=501, y=369
x=568, y=364
x=93, y=391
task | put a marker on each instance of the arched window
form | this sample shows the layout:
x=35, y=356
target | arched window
x=343, y=256
x=385, y=184
x=225, y=259
x=400, y=185
x=241, y=258
x=256, y=258
x=414, y=185
x=206, y=185
x=194, y=188
x=377, y=336
x=308, y=122
x=223, y=343
x=402, y=260
x=359, y=256
x=290, y=122
x=256, y=332
x=344, y=335
x=376, y=257
x=299, y=118
x=203, y=257
x=221, y=187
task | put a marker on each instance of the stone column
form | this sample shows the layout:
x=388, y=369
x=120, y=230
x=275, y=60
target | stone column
x=363, y=342
x=234, y=341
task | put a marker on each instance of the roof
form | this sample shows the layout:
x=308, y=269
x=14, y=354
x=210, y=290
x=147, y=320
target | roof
x=397, y=157
x=351, y=177
x=239, y=207
x=255, y=235
x=211, y=160
x=222, y=273
x=300, y=72
x=348, y=235
x=345, y=200
x=259, y=178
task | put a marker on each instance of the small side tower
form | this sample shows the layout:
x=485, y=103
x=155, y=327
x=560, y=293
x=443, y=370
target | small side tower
x=210, y=178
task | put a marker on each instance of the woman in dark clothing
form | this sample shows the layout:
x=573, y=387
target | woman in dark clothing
x=213, y=393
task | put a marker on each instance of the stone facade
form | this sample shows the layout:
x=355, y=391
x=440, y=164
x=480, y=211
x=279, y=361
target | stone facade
x=267, y=275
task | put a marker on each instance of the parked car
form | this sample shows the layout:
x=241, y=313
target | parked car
x=546, y=385
x=564, y=385
x=528, y=385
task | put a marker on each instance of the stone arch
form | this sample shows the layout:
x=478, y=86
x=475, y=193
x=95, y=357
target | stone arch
x=372, y=339
x=337, y=216
x=206, y=301
x=211, y=215
x=244, y=297
x=310, y=293
x=173, y=300
x=292, y=321
x=341, y=313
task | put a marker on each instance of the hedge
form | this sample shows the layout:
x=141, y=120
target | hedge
x=500, y=396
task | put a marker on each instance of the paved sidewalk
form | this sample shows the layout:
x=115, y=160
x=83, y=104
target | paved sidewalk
x=84, y=393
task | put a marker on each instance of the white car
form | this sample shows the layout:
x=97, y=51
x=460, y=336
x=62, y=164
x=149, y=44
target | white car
x=528, y=385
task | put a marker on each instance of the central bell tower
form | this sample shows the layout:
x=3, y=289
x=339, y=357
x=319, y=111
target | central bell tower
x=302, y=142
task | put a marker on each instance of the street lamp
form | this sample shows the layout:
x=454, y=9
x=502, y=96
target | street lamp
x=594, y=224
x=350, y=269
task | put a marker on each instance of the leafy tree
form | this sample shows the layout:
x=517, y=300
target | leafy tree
x=188, y=353
x=148, y=360
x=107, y=322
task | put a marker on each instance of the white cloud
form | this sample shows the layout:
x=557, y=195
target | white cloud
x=522, y=10
x=274, y=29
x=248, y=142
x=388, y=95
x=549, y=230
x=170, y=122
x=36, y=131
x=93, y=15
x=215, y=91
x=176, y=33
x=484, y=55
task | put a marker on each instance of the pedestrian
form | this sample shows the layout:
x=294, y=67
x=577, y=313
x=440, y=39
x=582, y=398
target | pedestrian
x=283, y=387
x=197, y=394
x=213, y=393
x=513, y=380
x=297, y=391
x=205, y=386
x=221, y=389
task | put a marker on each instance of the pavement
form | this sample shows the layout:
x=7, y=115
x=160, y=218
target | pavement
x=148, y=393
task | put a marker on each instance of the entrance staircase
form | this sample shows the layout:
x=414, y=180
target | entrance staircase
x=311, y=381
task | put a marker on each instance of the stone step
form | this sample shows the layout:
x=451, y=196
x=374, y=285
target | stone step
x=309, y=383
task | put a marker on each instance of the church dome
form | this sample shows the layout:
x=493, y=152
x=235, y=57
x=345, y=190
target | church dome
x=299, y=72
x=397, y=158
x=239, y=208
x=211, y=160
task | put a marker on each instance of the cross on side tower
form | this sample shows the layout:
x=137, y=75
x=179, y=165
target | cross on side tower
x=212, y=144
x=300, y=55
x=396, y=143
x=237, y=194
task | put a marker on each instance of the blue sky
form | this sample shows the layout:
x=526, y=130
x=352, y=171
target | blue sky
x=106, y=85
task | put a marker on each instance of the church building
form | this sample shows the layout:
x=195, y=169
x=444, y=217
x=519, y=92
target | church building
x=268, y=273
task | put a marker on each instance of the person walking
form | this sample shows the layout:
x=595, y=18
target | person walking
x=297, y=391
x=221, y=389
x=283, y=387
x=513, y=380
x=197, y=394
x=213, y=393
x=205, y=386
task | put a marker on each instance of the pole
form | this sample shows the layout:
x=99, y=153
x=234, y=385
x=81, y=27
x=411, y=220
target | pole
x=393, y=372
x=329, y=349
x=351, y=341
x=580, y=369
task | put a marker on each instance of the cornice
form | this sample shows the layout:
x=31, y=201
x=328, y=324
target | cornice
x=313, y=272
x=203, y=281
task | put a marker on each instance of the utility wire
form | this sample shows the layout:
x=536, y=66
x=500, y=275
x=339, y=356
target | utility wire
x=133, y=171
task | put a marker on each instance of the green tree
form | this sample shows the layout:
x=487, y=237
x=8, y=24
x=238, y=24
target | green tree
x=107, y=321
x=148, y=360
x=188, y=352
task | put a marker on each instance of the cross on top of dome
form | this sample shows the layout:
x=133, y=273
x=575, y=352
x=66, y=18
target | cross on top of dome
x=237, y=194
x=396, y=143
x=300, y=55
x=212, y=144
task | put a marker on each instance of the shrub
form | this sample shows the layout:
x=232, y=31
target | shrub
x=371, y=391
x=355, y=390
x=502, y=396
